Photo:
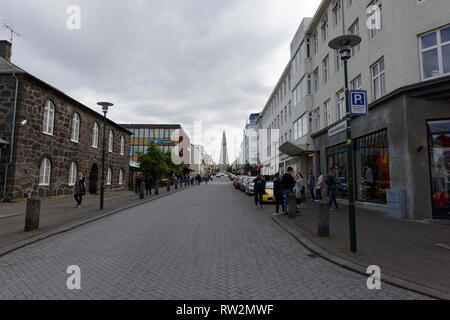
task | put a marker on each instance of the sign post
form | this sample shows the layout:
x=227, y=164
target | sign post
x=358, y=103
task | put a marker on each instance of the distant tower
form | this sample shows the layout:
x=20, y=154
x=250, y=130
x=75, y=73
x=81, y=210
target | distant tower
x=223, y=160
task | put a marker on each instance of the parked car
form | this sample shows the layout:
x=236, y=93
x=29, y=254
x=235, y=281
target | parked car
x=269, y=197
x=244, y=181
x=238, y=182
x=249, y=186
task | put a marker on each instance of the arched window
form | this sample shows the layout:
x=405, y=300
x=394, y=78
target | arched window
x=111, y=141
x=109, y=177
x=95, y=130
x=49, y=117
x=121, y=177
x=122, y=145
x=76, y=128
x=73, y=174
x=44, y=172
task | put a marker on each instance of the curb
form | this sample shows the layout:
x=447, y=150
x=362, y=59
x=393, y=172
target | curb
x=345, y=263
x=74, y=225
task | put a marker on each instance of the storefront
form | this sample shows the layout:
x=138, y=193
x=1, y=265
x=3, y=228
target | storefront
x=439, y=155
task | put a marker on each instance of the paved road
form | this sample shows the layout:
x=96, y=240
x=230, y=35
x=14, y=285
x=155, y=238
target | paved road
x=207, y=242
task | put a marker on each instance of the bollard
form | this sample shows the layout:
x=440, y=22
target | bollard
x=292, y=206
x=324, y=220
x=32, y=215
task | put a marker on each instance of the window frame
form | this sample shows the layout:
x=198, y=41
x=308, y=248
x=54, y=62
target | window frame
x=111, y=141
x=438, y=47
x=45, y=171
x=76, y=125
x=378, y=76
x=49, y=109
x=73, y=170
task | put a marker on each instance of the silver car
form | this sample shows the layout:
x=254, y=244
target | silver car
x=250, y=186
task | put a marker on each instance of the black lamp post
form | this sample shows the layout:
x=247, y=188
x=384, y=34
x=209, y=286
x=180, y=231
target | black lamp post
x=344, y=45
x=105, y=106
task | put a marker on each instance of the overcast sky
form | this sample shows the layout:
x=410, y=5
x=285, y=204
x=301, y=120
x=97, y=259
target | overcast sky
x=171, y=61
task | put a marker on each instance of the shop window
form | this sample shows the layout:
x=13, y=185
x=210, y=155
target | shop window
x=337, y=158
x=439, y=155
x=372, y=167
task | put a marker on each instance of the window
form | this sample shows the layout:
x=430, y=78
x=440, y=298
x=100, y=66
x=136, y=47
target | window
x=95, y=130
x=315, y=43
x=316, y=80
x=337, y=13
x=337, y=158
x=76, y=128
x=378, y=80
x=324, y=29
x=122, y=145
x=109, y=177
x=325, y=64
x=301, y=127
x=435, y=53
x=356, y=84
x=44, y=172
x=339, y=62
x=72, y=174
x=121, y=177
x=327, y=109
x=377, y=18
x=340, y=104
x=49, y=117
x=317, y=119
x=285, y=114
x=111, y=141
x=354, y=30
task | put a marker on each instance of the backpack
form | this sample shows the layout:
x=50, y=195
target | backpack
x=328, y=180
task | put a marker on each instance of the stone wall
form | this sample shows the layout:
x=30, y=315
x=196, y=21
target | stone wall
x=32, y=145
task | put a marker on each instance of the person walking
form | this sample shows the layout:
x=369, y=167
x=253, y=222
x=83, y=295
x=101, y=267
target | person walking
x=138, y=182
x=79, y=190
x=298, y=188
x=332, y=186
x=320, y=186
x=260, y=190
x=312, y=185
x=148, y=184
x=278, y=194
x=287, y=183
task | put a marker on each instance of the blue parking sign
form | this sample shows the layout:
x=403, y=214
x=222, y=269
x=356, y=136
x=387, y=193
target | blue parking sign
x=358, y=103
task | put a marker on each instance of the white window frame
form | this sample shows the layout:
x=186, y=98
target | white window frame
x=75, y=128
x=439, y=47
x=49, y=118
x=340, y=104
x=326, y=69
x=379, y=4
x=121, y=177
x=122, y=145
x=354, y=30
x=378, y=77
x=45, y=170
x=111, y=141
x=95, y=132
x=109, y=177
x=317, y=119
x=327, y=112
x=73, y=174
x=358, y=81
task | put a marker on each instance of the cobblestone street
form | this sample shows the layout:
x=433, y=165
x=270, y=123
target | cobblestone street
x=207, y=242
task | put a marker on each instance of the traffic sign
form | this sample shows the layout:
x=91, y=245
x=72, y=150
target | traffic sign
x=358, y=103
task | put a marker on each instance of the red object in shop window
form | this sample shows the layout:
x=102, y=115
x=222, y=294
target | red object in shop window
x=440, y=198
x=445, y=199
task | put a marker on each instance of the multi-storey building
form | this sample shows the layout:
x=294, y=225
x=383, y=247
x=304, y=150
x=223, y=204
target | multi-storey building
x=50, y=137
x=403, y=62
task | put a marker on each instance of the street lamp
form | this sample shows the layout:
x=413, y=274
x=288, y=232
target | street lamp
x=344, y=45
x=105, y=106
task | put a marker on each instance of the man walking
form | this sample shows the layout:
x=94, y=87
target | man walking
x=278, y=194
x=148, y=184
x=287, y=183
x=312, y=184
x=260, y=190
x=332, y=186
x=138, y=182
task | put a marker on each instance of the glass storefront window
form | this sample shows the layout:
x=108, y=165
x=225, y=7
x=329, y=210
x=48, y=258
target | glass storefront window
x=439, y=155
x=146, y=134
x=152, y=133
x=337, y=157
x=156, y=135
x=372, y=167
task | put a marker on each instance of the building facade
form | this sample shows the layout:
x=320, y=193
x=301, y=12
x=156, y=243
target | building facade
x=403, y=62
x=51, y=137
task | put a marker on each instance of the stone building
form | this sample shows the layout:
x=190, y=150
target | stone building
x=48, y=137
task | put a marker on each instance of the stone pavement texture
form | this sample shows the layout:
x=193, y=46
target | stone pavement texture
x=408, y=249
x=208, y=242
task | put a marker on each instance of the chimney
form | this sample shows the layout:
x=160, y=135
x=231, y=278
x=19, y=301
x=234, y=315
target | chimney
x=5, y=50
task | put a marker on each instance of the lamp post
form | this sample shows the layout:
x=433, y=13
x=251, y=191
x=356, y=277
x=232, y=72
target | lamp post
x=105, y=106
x=344, y=45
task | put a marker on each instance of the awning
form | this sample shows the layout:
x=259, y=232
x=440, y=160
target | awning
x=3, y=142
x=292, y=150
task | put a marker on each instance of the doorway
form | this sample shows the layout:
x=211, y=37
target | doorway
x=93, y=179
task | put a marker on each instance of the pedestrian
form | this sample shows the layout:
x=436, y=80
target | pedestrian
x=312, y=185
x=287, y=183
x=148, y=184
x=138, y=182
x=320, y=186
x=298, y=188
x=332, y=186
x=278, y=194
x=79, y=190
x=260, y=190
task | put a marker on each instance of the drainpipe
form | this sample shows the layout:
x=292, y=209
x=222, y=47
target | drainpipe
x=13, y=132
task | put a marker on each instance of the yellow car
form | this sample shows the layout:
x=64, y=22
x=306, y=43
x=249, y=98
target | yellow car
x=268, y=197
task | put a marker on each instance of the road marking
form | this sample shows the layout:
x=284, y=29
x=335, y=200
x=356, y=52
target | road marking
x=444, y=246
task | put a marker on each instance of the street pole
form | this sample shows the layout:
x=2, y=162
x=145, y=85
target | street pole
x=105, y=106
x=351, y=185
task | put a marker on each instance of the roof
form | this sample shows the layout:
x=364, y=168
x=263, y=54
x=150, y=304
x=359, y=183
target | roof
x=8, y=68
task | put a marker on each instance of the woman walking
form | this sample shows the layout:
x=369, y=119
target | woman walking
x=298, y=188
x=319, y=187
x=80, y=190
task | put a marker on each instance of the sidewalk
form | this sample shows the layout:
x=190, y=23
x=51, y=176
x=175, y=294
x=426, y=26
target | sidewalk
x=60, y=212
x=410, y=250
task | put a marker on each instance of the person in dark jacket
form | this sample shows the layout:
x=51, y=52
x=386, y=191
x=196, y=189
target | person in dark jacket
x=260, y=190
x=278, y=194
x=332, y=186
x=80, y=189
x=148, y=184
x=287, y=183
x=138, y=183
